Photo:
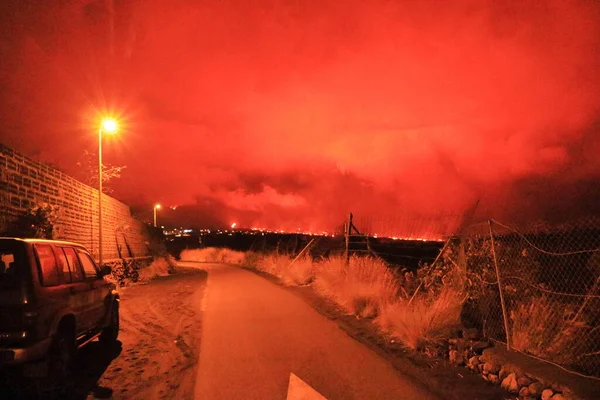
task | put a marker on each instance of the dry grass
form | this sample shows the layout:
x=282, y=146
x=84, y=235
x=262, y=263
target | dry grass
x=212, y=254
x=425, y=320
x=291, y=273
x=362, y=287
x=159, y=267
x=301, y=272
x=251, y=259
x=366, y=287
x=541, y=328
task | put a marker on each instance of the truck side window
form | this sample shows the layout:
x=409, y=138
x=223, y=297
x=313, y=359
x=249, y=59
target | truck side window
x=74, y=265
x=89, y=266
x=63, y=264
x=48, y=267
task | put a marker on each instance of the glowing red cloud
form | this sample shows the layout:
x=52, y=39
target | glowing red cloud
x=302, y=113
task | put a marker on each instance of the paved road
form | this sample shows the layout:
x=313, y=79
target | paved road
x=260, y=341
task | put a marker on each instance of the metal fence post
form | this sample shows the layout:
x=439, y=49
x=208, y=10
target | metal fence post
x=502, y=303
x=347, y=233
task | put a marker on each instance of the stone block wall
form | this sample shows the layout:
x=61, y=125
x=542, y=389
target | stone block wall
x=25, y=182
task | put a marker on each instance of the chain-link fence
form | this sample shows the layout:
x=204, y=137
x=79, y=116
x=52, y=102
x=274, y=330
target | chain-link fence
x=535, y=289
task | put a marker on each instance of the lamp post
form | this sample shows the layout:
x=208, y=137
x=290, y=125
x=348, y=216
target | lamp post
x=109, y=126
x=156, y=207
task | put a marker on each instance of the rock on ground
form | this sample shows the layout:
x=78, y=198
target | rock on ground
x=510, y=383
x=524, y=380
x=536, y=389
x=524, y=392
x=456, y=357
x=493, y=378
x=547, y=394
x=491, y=368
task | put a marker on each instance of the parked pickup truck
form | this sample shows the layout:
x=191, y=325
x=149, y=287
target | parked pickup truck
x=53, y=300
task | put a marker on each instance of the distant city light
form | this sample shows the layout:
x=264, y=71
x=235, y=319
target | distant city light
x=234, y=229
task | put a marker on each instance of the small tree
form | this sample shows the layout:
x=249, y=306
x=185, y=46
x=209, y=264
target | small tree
x=37, y=221
x=88, y=171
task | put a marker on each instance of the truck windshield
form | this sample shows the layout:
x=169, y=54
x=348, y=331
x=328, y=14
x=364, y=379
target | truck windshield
x=11, y=261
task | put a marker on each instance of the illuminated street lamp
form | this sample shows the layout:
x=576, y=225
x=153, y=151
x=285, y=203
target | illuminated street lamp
x=156, y=207
x=110, y=126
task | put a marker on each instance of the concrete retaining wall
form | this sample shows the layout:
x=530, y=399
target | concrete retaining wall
x=25, y=182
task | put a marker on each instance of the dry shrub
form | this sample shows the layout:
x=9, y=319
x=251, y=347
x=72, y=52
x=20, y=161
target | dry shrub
x=328, y=276
x=251, y=259
x=291, y=273
x=545, y=330
x=427, y=319
x=366, y=287
x=232, y=256
x=213, y=255
x=208, y=254
x=301, y=272
x=126, y=271
x=362, y=287
x=273, y=264
x=159, y=267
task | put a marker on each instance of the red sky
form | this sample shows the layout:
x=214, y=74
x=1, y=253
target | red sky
x=293, y=113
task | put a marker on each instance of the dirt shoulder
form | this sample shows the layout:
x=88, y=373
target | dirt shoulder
x=445, y=380
x=160, y=333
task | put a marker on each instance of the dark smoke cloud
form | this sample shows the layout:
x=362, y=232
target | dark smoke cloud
x=294, y=113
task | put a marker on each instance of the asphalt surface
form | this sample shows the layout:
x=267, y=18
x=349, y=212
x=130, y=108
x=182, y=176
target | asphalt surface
x=259, y=341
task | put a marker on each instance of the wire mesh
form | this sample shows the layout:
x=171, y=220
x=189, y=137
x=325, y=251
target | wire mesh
x=550, y=282
x=471, y=254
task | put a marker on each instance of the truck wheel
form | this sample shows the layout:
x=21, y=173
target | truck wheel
x=63, y=352
x=111, y=332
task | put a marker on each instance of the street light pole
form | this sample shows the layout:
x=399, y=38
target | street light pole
x=156, y=207
x=100, y=195
x=107, y=125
